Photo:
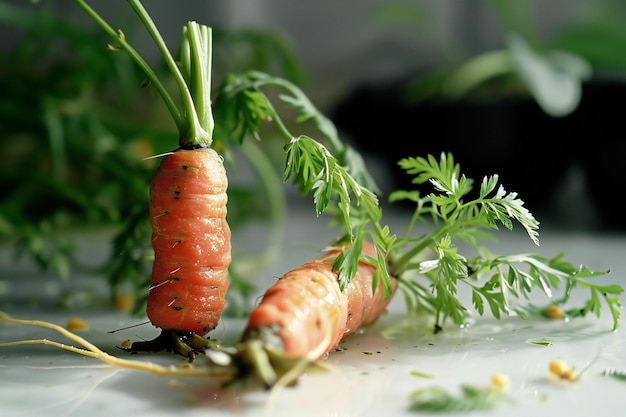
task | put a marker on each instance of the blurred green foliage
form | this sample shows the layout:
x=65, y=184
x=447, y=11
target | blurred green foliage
x=524, y=64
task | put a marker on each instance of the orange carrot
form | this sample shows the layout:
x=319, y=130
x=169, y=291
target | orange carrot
x=192, y=250
x=305, y=315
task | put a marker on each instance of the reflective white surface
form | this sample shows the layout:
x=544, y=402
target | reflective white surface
x=373, y=375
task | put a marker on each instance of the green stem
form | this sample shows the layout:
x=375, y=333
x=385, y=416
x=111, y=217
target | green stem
x=193, y=135
x=400, y=264
x=277, y=202
x=198, y=62
x=275, y=116
x=179, y=120
x=325, y=125
x=56, y=137
x=192, y=132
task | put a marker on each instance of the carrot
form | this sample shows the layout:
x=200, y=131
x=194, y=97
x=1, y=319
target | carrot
x=192, y=249
x=305, y=315
x=191, y=241
x=190, y=235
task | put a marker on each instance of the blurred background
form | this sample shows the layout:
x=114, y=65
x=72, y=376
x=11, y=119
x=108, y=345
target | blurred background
x=528, y=90
x=408, y=78
x=426, y=77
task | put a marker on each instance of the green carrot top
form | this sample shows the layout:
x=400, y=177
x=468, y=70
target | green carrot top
x=193, y=78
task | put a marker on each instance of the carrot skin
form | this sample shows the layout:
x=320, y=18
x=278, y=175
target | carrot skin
x=306, y=307
x=191, y=241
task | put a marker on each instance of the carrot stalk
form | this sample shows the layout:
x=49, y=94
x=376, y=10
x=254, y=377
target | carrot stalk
x=119, y=37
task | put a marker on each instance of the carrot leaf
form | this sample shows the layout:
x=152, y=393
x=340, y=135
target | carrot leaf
x=495, y=281
x=328, y=169
x=250, y=105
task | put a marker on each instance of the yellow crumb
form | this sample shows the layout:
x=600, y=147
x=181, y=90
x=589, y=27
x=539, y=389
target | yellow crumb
x=75, y=324
x=500, y=380
x=554, y=312
x=126, y=344
x=557, y=366
x=561, y=371
x=124, y=302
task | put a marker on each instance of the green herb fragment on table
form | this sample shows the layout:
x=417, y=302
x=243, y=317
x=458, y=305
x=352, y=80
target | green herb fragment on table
x=613, y=373
x=470, y=398
x=545, y=342
x=421, y=374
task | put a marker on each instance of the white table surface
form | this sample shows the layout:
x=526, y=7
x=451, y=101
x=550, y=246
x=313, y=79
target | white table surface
x=374, y=372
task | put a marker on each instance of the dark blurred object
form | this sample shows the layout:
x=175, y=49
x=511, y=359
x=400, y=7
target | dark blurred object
x=599, y=146
x=531, y=151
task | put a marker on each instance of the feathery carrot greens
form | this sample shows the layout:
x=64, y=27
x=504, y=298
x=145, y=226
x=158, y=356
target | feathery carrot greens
x=493, y=279
x=336, y=175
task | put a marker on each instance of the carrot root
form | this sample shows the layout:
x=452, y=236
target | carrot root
x=90, y=350
x=188, y=344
